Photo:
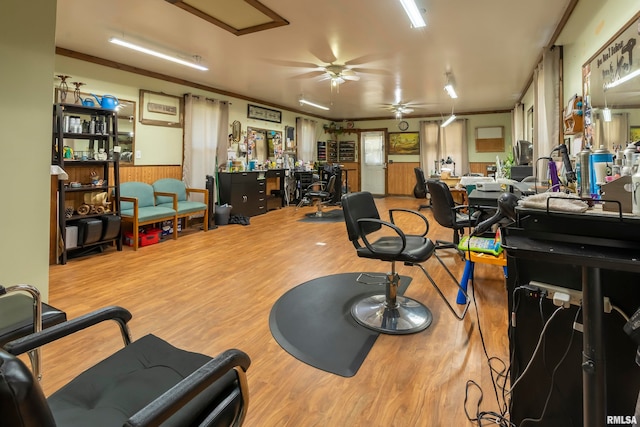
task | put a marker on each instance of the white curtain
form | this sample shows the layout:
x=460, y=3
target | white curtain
x=546, y=80
x=517, y=123
x=438, y=143
x=306, y=139
x=429, y=147
x=611, y=134
x=205, y=139
x=454, y=145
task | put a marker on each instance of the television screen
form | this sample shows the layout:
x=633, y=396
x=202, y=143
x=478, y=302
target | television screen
x=523, y=153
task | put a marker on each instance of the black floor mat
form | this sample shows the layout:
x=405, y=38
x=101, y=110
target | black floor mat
x=313, y=322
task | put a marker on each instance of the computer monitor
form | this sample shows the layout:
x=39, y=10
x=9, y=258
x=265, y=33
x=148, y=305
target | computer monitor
x=523, y=152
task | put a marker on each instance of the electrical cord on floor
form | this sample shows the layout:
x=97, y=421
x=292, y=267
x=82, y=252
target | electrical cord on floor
x=537, y=348
x=553, y=374
x=499, y=419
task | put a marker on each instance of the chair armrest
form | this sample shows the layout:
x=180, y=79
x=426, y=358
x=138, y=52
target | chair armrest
x=411, y=211
x=364, y=221
x=182, y=393
x=27, y=343
x=201, y=191
x=174, y=196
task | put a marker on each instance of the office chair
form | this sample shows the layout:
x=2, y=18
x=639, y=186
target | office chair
x=450, y=215
x=389, y=313
x=420, y=190
x=320, y=193
x=146, y=383
x=22, y=314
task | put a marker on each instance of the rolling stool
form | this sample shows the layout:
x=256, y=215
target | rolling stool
x=22, y=315
x=467, y=275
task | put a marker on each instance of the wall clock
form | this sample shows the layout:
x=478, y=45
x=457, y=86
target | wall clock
x=403, y=125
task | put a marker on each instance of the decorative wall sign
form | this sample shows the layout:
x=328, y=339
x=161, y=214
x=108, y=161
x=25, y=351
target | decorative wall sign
x=160, y=109
x=404, y=143
x=262, y=113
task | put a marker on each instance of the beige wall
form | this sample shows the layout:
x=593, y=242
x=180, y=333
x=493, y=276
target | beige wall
x=25, y=119
x=591, y=25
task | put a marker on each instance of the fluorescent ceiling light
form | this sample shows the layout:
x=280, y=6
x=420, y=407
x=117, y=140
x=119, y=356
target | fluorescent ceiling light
x=451, y=90
x=157, y=54
x=322, y=107
x=413, y=13
x=447, y=122
x=449, y=87
x=606, y=114
x=621, y=80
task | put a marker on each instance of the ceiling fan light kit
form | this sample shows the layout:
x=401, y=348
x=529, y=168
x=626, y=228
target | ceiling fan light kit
x=414, y=14
x=146, y=50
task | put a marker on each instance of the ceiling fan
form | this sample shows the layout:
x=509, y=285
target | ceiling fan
x=399, y=109
x=339, y=74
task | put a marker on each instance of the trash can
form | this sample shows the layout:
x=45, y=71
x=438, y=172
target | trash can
x=222, y=214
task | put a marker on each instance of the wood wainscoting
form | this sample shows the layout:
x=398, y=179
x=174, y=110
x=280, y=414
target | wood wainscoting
x=150, y=174
x=401, y=178
x=480, y=167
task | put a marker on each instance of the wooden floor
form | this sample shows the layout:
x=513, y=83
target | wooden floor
x=207, y=292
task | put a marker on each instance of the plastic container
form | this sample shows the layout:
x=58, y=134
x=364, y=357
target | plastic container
x=222, y=214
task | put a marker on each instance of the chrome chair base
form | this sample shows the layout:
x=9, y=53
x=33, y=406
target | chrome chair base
x=407, y=316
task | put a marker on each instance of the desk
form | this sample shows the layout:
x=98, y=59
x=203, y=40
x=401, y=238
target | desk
x=598, y=255
x=452, y=181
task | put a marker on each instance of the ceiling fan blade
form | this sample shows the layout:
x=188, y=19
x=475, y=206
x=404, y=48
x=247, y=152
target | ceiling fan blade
x=371, y=71
x=367, y=58
x=354, y=77
x=296, y=64
x=407, y=110
x=323, y=52
x=309, y=75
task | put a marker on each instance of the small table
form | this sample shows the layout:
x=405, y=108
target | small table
x=472, y=258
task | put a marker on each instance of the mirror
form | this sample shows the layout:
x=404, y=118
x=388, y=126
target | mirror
x=236, y=131
x=127, y=130
x=611, y=90
x=126, y=124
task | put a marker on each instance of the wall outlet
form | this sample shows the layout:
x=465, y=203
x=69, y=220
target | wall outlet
x=138, y=154
x=575, y=296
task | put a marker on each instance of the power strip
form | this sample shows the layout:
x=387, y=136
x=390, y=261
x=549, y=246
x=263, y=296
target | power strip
x=561, y=296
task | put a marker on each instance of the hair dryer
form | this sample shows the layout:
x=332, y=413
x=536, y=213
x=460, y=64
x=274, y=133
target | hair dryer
x=507, y=203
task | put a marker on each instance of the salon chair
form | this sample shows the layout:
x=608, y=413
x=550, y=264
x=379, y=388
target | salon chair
x=420, y=190
x=320, y=193
x=374, y=238
x=22, y=312
x=449, y=214
x=146, y=383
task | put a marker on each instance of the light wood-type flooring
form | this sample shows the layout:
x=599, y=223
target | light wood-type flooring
x=207, y=292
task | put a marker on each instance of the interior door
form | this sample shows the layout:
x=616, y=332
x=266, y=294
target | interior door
x=373, y=162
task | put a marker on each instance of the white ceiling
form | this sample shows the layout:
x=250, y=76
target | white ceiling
x=490, y=47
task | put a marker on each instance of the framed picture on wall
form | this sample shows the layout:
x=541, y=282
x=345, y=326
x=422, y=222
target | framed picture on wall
x=404, y=143
x=160, y=109
x=634, y=133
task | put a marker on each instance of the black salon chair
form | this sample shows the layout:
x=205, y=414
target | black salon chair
x=383, y=240
x=320, y=193
x=449, y=214
x=146, y=383
x=420, y=190
x=22, y=312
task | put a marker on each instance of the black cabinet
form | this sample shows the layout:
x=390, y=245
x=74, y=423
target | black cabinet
x=244, y=191
x=85, y=146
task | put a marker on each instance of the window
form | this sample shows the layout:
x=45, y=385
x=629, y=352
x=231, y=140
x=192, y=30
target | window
x=373, y=145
